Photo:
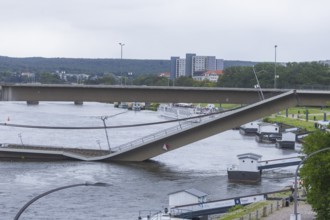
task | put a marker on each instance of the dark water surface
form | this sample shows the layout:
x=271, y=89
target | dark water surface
x=134, y=186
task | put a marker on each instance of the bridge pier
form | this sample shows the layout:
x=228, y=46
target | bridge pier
x=78, y=102
x=32, y=102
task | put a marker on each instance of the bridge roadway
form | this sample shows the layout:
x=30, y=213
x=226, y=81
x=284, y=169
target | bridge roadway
x=84, y=93
x=273, y=103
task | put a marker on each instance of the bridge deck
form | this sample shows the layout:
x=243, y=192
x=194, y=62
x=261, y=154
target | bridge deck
x=42, y=153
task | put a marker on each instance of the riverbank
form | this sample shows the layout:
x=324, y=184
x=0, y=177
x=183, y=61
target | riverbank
x=284, y=213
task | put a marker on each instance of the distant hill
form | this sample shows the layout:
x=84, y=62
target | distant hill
x=92, y=66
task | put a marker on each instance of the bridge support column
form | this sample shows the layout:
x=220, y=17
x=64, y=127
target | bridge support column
x=78, y=102
x=32, y=102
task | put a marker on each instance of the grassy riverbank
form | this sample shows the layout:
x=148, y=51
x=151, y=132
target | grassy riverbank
x=302, y=117
x=239, y=211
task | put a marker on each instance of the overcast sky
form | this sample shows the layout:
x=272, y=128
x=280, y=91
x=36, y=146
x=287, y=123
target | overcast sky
x=158, y=29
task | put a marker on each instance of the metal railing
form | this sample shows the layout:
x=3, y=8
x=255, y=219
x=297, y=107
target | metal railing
x=183, y=125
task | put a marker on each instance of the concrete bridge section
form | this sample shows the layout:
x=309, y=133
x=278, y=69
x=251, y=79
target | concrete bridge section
x=220, y=124
x=82, y=93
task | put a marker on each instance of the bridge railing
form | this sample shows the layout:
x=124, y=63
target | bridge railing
x=183, y=125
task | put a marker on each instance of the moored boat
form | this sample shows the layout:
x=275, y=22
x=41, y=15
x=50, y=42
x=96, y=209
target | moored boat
x=184, y=110
x=247, y=169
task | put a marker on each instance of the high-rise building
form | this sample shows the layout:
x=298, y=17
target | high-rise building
x=180, y=68
x=220, y=64
x=189, y=64
x=173, y=69
x=211, y=63
x=198, y=63
x=193, y=64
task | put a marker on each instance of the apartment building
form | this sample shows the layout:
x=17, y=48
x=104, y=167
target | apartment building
x=194, y=64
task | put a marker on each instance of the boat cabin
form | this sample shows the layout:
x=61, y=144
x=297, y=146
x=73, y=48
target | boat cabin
x=268, y=133
x=287, y=141
x=249, y=128
x=188, y=196
x=248, y=161
x=268, y=128
x=247, y=169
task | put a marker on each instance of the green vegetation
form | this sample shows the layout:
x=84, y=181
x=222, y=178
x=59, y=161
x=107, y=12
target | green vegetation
x=145, y=72
x=82, y=66
x=292, y=75
x=239, y=211
x=228, y=106
x=308, y=125
x=153, y=106
x=297, y=117
x=315, y=173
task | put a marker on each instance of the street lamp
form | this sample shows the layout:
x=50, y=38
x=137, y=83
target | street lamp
x=121, y=59
x=103, y=118
x=54, y=190
x=295, y=215
x=20, y=137
x=275, y=75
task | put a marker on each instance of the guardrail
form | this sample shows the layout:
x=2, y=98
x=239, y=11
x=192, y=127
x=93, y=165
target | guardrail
x=183, y=125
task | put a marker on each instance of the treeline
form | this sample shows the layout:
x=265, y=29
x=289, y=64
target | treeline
x=82, y=66
x=39, y=65
x=306, y=75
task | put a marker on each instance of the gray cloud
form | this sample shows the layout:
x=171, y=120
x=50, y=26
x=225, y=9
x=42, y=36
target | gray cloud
x=158, y=29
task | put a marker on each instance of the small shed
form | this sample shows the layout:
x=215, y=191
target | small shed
x=322, y=124
x=268, y=128
x=249, y=128
x=248, y=162
x=188, y=196
x=289, y=136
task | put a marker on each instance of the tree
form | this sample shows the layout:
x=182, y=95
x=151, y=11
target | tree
x=48, y=78
x=315, y=173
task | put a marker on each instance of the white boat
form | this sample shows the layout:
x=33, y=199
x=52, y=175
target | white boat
x=185, y=110
x=177, y=110
x=136, y=106
x=247, y=170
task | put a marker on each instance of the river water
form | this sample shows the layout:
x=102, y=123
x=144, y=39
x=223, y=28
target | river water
x=134, y=187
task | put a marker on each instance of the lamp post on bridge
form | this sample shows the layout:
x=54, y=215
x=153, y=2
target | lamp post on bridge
x=54, y=190
x=104, y=118
x=275, y=74
x=121, y=60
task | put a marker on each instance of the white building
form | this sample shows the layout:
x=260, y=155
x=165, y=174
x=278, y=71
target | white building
x=192, y=64
x=248, y=162
x=199, y=63
x=210, y=75
x=180, y=68
x=185, y=197
x=268, y=128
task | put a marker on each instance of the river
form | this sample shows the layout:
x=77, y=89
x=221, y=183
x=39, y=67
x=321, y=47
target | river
x=133, y=186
